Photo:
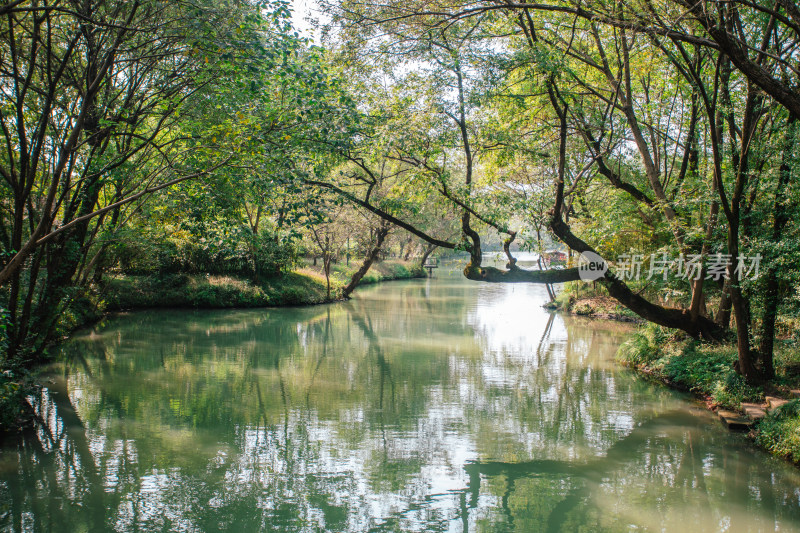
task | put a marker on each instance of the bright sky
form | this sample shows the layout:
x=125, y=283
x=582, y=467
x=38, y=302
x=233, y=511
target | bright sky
x=301, y=11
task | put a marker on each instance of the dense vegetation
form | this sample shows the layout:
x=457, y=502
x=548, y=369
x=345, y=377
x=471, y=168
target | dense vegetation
x=657, y=129
x=191, y=138
x=155, y=139
x=707, y=371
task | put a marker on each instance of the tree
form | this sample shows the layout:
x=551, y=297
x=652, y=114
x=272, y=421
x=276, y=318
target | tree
x=105, y=103
x=586, y=70
x=378, y=237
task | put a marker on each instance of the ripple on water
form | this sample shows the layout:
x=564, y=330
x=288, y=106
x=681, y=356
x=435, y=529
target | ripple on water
x=427, y=405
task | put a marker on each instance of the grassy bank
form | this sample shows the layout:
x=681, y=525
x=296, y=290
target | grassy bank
x=575, y=300
x=382, y=271
x=305, y=286
x=203, y=291
x=708, y=372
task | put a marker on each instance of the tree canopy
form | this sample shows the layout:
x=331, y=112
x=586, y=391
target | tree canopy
x=661, y=136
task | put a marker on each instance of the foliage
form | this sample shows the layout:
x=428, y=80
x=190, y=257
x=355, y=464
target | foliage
x=644, y=347
x=180, y=289
x=14, y=409
x=563, y=300
x=779, y=432
x=15, y=386
x=704, y=369
x=391, y=270
x=579, y=298
x=220, y=250
x=457, y=126
x=86, y=307
x=710, y=370
x=113, y=102
x=484, y=111
x=209, y=291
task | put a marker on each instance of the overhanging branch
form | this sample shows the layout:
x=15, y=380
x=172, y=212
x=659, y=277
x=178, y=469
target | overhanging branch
x=381, y=213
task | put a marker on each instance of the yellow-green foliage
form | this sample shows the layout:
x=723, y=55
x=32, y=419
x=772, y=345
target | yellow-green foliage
x=204, y=291
x=564, y=299
x=644, y=346
x=387, y=270
x=182, y=290
x=379, y=271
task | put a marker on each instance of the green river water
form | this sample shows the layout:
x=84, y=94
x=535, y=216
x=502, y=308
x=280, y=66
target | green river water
x=426, y=405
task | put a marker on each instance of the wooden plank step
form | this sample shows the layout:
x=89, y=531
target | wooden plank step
x=734, y=421
x=754, y=410
x=795, y=393
x=775, y=402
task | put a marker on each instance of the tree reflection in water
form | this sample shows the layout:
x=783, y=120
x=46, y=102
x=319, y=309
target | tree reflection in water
x=431, y=405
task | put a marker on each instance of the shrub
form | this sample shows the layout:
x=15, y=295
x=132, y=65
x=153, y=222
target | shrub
x=709, y=370
x=83, y=307
x=779, y=432
x=701, y=368
x=221, y=250
x=644, y=346
x=15, y=411
x=564, y=300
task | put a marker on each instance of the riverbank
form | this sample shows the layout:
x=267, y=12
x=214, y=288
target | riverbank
x=423, y=370
x=707, y=372
x=305, y=286
x=592, y=306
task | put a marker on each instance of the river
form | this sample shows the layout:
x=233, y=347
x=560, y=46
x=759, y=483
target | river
x=423, y=405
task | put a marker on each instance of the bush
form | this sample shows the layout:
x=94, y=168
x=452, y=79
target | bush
x=779, y=432
x=644, y=346
x=15, y=412
x=82, y=307
x=564, y=300
x=183, y=290
x=700, y=368
x=709, y=370
x=218, y=250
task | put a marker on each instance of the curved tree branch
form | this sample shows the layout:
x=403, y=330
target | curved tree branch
x=381, y=213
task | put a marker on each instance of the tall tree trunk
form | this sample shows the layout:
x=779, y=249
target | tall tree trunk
x=772, y=296
x=724, y=312
x=409, y=249
x=698, y=304
x=698, y=326
x=326, y=267
x=380, y=237
x=746, y=362
x=681, y=319
x=740, y=305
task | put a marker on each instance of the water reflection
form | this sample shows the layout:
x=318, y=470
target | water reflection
x=434, y=405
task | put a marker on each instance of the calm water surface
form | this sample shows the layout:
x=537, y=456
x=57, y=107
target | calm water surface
x=429, y=405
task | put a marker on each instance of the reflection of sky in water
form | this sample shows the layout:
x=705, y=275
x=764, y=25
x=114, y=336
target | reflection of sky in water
x=435, y=405
x=513, y=327
x=510, y=320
